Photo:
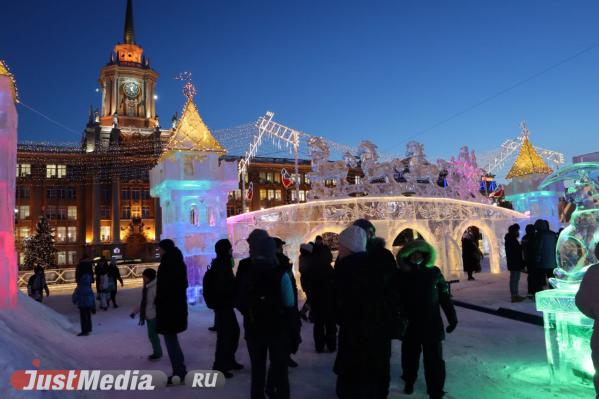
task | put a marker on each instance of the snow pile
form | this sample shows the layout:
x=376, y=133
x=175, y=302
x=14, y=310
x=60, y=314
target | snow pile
x=34, y=331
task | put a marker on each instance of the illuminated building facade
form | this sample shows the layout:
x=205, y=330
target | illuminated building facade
x=96, y=196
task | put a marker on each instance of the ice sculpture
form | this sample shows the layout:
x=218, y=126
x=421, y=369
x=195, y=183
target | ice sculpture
x=8, y=148
x=193, y=186
x=567, y=331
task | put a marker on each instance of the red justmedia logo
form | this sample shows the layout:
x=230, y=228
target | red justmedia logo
x=86, y=380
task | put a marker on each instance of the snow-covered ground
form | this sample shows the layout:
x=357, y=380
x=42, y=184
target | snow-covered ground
x=492, y=291
x=487, y=357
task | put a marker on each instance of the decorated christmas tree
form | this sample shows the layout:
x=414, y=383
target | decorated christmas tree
x=39, y=248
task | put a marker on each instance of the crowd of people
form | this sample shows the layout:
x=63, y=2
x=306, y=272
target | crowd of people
x=358, y=303
x=357, y=307
x=534, y=255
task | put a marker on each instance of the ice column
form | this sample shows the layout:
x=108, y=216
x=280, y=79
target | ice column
x=8, y=160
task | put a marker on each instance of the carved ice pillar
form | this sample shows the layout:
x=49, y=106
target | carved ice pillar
x=157, y=219
x=8, y=160
x=193, y=189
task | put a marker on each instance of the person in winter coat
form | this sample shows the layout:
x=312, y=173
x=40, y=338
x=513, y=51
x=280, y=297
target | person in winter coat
x=83, y=296
x=265, y=298
x=285, y=262
x=471, y=254
x=364, y=345
x=114, y=275
x=171, y=305
x=219, y=293
x=528, y=257
x=515, y=263
x=545, y=245
x=36, y=285
x=103, y=283
x=423, y=292
x=320, y=279
x=587, y=301
x=305, y=263
x=147, y=311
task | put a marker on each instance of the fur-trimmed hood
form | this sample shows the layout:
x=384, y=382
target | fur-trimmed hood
x=418, y=246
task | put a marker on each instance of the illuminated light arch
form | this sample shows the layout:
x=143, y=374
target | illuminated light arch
x=492, y=237
x=437, y=219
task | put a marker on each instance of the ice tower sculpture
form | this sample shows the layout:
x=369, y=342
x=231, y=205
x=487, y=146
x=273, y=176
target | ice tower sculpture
x=528, y=171
x=193, y=184
x=8, y=165
x=567, y=330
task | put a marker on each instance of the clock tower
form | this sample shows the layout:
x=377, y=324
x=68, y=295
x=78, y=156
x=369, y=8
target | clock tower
x=128, y=84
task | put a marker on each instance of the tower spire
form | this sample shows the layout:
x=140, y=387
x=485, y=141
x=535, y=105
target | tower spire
x=129, y=32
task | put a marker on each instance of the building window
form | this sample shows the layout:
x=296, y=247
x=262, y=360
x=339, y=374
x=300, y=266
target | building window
x=105, y=233
x=278, y=195
x=271, y=194
x=145, y=195
x=23, y=212
x=306, y=179
x=56, y=171
x=72, y=212
x=302, y=196
x=357, y=179
x=23, y=169
x=135, y=195
x=277, y=177
x=23, y=233
x=61, y=258
x=71, y=257
x=72, y=234
x=136, y=211
x=23, y=192
x=62, y=213
x=269, y=177
x=125, y=194
x=145, y=212
x=71, y=193
x=21, y=258
x=106, y=194
x=126, y=212
x=293, y=196
x=51, y=171
x=104, y=212
x=262, y=194
x=60, y=234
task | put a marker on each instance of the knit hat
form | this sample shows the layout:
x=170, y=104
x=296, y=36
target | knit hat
x=307, y=247
x=354, y=239
x=261, y=244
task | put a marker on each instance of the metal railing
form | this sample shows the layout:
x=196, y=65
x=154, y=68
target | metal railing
x=67, y=275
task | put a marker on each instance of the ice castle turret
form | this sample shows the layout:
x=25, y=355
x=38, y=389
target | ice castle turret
x=527, y=172
x=193, y=182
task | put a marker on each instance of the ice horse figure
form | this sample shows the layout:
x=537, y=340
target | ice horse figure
x=8, y=165
x=567, y=330
x=193, y=184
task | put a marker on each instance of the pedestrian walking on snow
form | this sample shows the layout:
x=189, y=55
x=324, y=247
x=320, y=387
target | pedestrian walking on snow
x=147, y=312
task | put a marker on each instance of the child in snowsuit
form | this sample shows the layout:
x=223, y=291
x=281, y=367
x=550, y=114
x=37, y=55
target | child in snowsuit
x=147, y=312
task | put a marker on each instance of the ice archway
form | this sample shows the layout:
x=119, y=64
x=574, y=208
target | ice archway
x=441, y=221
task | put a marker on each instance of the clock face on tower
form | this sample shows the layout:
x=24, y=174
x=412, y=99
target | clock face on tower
x=131, y=89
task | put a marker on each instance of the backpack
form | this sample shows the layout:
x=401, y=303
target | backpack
x=208, y=288
x=265, y=305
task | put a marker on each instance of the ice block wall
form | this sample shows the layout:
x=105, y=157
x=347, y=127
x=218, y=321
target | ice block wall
x=8, y=160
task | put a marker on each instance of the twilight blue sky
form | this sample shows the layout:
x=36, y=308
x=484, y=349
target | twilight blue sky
x=383, y=70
